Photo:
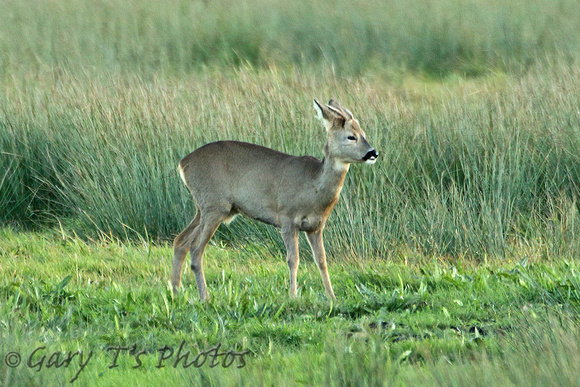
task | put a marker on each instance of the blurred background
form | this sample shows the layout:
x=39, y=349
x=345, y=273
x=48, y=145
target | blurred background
x=437, y=38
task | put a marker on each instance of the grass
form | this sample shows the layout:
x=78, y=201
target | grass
x=427, y=320
x=439, y=38
x=454, y=258
x=100, y=100
x=468, y=167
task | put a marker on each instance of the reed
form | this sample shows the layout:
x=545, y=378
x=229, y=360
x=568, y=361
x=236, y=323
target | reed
x=467, y=167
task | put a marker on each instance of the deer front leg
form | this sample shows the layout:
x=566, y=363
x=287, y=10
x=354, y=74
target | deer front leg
x=317, y=245
x=290, y=237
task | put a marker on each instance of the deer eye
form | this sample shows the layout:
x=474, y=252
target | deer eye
x=352, y=138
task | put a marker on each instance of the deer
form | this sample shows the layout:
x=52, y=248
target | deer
x=293, y=193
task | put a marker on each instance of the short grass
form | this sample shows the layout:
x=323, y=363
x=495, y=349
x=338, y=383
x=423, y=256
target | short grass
x=404, y=322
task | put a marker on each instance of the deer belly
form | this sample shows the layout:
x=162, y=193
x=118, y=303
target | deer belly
x=262, y=214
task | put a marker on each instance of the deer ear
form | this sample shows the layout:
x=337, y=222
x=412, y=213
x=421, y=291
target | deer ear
x=348, y=113
x=337, y=112
x=320, y=111
x=329, y=115
x=333, y=103
x=345, y=112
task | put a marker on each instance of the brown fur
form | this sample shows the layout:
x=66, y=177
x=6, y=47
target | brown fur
x=294, y=193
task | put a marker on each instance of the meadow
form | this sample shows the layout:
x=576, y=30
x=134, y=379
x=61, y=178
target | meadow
x=433, y=322
x=454, y=257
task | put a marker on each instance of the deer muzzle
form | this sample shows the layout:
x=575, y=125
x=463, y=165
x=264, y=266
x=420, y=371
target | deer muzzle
x=371, y=157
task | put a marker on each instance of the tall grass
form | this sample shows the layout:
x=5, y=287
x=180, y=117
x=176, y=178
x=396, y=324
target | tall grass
x=466, y=168
x=100, y=100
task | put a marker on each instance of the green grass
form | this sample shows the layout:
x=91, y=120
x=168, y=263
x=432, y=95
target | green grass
x=395, y=323
x=467, y=168
x=454, y=258
x=474, y=110
x=355, y=37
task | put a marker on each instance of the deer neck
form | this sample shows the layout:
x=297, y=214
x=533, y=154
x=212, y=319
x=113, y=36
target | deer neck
x=331, y=179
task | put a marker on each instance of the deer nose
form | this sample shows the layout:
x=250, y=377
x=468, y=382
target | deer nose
x=371, y=157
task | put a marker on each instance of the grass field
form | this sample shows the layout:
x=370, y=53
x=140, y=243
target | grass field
x=430, y=321
x=454, y=257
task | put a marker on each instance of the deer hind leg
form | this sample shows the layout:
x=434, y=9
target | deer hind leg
x=209, y=223
x=181, y=245
x=290, y=237
x=317, y=245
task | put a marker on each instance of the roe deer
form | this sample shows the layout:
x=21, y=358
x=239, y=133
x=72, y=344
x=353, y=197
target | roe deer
x=294, y=193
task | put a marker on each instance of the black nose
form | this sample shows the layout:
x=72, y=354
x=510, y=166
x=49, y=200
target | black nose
x=371, y=155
